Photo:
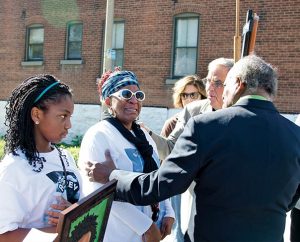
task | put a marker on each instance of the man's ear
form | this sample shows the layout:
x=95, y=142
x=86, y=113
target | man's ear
x=36, y=115
x=107, y=101
x=239, y=90
x=241, y=87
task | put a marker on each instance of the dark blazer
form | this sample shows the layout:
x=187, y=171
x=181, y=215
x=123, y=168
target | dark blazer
x=245, y=161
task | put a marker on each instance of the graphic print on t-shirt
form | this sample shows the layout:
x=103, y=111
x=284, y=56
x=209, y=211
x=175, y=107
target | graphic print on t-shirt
x=136, y=159
x=72, y=184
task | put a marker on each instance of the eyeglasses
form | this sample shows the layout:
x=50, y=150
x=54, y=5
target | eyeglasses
x=214, y=83
x=126, y=94
x=155, y=212
x=192, y=95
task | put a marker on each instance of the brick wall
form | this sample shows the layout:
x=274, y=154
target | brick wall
x=148, y=42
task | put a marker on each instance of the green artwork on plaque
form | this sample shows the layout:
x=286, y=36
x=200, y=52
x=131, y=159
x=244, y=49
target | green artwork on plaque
x=89, y=223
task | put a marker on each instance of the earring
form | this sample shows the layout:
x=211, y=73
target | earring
x=37, y=122
x=112, y=112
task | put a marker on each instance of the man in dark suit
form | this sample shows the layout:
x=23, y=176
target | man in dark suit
x=184, y=205
x=244, y=159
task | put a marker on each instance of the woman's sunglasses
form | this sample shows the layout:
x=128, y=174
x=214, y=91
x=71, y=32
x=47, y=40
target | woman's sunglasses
x=192, y=95
x=126, y=94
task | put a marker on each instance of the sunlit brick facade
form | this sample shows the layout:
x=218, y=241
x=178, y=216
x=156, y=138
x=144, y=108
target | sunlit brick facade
x=149, y=42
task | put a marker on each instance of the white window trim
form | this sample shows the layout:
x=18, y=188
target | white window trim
x=173, y=78
x=67, y=42
x=27, y=44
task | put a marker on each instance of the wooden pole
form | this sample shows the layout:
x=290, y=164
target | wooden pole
x=237, y=37
x=109, y=21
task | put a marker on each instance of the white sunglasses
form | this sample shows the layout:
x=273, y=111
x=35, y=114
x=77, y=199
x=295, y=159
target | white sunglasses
x=126, y=94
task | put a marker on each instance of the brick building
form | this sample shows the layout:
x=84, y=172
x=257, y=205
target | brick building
x=158, y=40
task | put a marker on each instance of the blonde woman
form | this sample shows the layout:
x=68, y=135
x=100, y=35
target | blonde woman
x=186, y=90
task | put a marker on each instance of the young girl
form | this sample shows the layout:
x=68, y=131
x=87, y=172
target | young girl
x=34, y=170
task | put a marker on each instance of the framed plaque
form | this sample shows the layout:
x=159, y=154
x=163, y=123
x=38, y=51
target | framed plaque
x=86, y=220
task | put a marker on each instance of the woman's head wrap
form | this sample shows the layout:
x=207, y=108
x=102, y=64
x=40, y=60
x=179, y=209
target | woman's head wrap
x=115, y=81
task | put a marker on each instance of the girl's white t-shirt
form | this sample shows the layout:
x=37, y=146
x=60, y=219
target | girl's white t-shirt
x=26, y=194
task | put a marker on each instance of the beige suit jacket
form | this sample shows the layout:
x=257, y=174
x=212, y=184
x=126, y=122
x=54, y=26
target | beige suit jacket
x=165, y=145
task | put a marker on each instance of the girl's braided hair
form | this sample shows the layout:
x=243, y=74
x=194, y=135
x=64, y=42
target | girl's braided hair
x=20, y=132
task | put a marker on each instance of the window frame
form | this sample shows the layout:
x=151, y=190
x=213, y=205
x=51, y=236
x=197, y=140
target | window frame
x=118, y=21
x=184, y=16
x=28, y=44
x=67, y=47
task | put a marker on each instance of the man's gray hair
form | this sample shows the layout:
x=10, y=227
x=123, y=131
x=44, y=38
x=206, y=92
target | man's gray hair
x=221, y=61
x=257, y=74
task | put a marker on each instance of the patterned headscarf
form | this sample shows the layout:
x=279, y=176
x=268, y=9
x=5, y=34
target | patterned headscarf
x=116, y=81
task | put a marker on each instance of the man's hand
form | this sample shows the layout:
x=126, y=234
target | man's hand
x=152, y=234
x=166, y=227
x=100, y=172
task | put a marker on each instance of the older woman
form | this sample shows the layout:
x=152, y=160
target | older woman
x=134, y=150
x=186, y=90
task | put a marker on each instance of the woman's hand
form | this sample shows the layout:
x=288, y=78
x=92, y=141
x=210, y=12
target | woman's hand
x=152, y=234
x=55, y=209
x=166, y=226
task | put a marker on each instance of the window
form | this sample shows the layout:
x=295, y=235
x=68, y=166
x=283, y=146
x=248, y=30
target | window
x=185, y=45
x=35, y=43
x=74, y=41
x=118, y=43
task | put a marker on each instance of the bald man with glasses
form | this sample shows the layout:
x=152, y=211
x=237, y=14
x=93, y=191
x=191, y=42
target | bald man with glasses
x=217, y=71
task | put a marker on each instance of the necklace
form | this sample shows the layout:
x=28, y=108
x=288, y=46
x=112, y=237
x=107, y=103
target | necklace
x=64, y=171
